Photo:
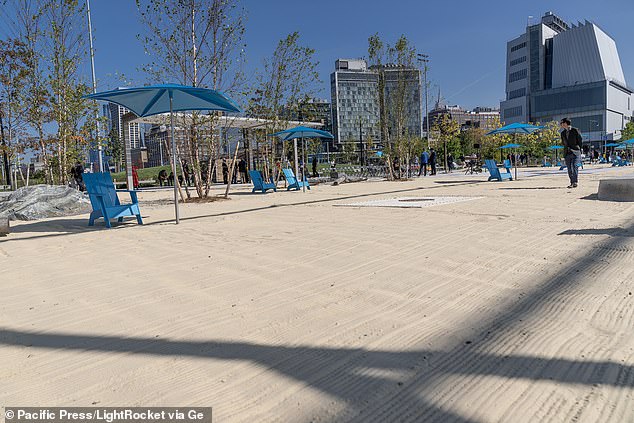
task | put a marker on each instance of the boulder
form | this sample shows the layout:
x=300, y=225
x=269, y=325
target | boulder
x=4, y=226
x=345, y=179
x=43, y=201
x=621, y=189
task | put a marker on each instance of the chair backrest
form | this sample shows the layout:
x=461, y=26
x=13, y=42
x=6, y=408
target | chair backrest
x=256, y=178
x=100, y=184
x=493, y=167
x=289, y=176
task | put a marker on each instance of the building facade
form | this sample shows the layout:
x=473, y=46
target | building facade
x=131, y=131
x=355, y=100
x=557, y=70
x=480, y=117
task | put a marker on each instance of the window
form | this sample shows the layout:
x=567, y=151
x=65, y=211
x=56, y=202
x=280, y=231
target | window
x=516, y=76
x=518, y=61
x=517, y=93
x=513, y=112
x=518, y=46
x=588, y=97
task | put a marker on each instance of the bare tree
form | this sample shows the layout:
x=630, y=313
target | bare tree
x=284, y=87
x=197, y=43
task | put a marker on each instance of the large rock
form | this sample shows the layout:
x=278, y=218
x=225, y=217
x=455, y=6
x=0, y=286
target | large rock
x=42, y=201
x=621, y=189
x=345, y=179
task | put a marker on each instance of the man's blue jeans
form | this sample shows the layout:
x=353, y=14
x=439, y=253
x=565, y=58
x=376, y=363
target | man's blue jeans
x=572, y=163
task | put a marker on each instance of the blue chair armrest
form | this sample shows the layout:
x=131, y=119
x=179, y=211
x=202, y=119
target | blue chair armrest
x=133, y=194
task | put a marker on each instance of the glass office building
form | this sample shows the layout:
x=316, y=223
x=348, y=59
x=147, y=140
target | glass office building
x=355, y=100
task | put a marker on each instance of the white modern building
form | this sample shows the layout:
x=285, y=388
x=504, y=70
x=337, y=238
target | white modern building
x=557, y=70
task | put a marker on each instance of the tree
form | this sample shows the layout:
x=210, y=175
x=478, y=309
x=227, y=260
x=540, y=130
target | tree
x=469, y=138
x=65, y=21
x=35, y=95
x=377, y=56
x=49, y=34
x=284, y=87
x=13, y=71
x=628, y=132
x=446, y=129
x=197, y=43
x=492, y=143
x=396, y=81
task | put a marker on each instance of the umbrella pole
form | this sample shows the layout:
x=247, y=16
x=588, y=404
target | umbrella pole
x=303, y=165
x=174, y=161
x=296, y=162
x=515, y=158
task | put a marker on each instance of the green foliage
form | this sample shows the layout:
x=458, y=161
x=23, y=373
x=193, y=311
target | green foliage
x=628, y=132
x=286, y=82
x=446, y=131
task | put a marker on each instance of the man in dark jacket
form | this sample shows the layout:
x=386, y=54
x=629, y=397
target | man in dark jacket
x=571, y=139
x=432, y=161
x=424, y=159
x=242, y=167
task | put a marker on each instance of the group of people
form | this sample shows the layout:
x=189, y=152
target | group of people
x=241, y=168
x=427, y=159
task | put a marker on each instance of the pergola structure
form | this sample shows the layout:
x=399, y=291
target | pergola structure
x=222, y=122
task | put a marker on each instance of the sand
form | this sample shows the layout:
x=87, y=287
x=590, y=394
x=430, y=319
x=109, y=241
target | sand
x=288, y=307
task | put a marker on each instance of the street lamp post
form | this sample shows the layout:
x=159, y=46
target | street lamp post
x=94, y=86
x=360, y=144
x=424, y=58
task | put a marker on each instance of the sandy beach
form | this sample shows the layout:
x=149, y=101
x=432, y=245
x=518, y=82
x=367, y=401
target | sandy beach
x=515, y=305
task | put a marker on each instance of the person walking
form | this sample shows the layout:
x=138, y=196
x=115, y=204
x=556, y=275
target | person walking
x=424, y=160
x=135, y=177
x=225, y=172
x=314, y=165
x=77, y=172
x=450, y=162
x=242, y=166
x=432, y=161
x=571, y=139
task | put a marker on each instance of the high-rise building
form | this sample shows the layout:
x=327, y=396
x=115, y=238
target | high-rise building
x=557, y=70
x=132, y=131
x=355, y=100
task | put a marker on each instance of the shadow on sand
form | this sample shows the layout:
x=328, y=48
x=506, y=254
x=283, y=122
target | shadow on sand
x=343, y=372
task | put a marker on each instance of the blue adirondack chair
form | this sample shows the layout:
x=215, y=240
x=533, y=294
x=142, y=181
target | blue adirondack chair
x=105, y=202
x=292, y=182
x=562, y=165
x=495, y=173
x=258, y=182
x=620, y=162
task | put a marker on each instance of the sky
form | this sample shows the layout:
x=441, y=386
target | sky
x=466, y=40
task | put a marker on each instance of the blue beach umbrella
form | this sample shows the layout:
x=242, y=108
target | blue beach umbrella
x=555, y=148
x=507, y=146
x=516, y=128
x=301, y=132
x=612, y=144
x=164, y=98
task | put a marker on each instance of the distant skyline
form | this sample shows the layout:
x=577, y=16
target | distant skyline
x=466, y=41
